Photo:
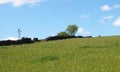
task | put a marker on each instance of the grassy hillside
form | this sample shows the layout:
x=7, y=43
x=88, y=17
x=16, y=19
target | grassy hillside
x=71, y=55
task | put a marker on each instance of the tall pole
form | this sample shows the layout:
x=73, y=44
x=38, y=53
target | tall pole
x=19, y=33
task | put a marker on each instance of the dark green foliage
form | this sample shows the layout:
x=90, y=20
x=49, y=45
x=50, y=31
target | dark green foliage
x=85, y=46
x=35, y=39
x=24, y=40
x=59, y=37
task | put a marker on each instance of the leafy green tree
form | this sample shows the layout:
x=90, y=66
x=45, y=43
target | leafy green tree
x=62, y=34
x=72, y=29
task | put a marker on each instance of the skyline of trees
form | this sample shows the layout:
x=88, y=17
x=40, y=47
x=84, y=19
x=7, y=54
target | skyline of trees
x=70, y=31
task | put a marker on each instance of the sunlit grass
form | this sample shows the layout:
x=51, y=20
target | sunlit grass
x=71, y=55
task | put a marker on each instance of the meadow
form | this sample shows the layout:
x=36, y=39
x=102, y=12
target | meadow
x=100, y=54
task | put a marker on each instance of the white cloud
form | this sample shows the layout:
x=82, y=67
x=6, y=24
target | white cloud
x=17, y=3
x=84, y=16
x=108, y=8
x=10, y=38
x=83, y=31
x=117, y=22
x=106, y=18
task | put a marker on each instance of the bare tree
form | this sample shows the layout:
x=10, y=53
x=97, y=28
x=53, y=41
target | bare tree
x=19, y=33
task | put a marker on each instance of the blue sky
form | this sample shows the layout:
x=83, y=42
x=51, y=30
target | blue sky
x=43, y=18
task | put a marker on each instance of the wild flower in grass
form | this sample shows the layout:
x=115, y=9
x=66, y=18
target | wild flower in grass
x=52, y=65
x=111, y=55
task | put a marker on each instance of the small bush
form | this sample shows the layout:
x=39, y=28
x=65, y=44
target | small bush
x=35, y=39
x=50, y=58
x=86, y=46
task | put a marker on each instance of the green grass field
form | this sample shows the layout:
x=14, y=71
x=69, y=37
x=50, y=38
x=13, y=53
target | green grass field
x=72, y=55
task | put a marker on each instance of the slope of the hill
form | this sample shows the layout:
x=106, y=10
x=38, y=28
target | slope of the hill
x=72, y=55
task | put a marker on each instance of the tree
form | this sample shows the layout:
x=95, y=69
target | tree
x=62, y=34
x=72, y=29
x=19, y=33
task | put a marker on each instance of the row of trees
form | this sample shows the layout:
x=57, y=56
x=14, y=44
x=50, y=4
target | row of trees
x=70, y=31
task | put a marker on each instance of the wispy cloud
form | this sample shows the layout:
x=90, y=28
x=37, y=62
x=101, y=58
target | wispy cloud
x=108, y=8
x=106, y=18
x=84, y=16
x=117, y=22
x=83, y=31
x=17, y=3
